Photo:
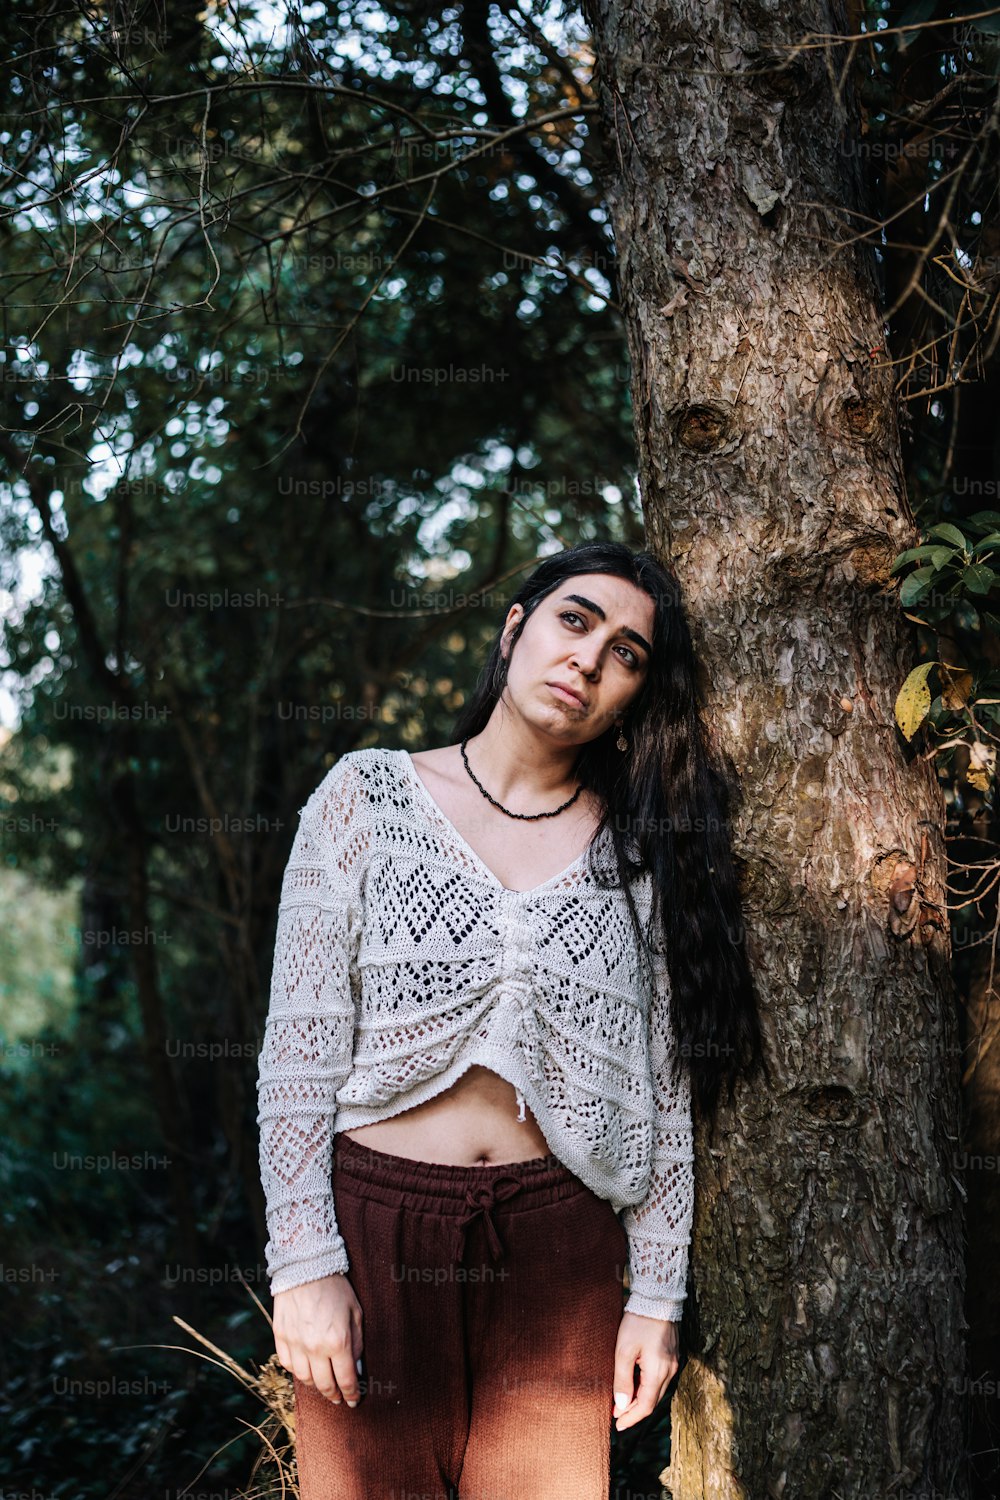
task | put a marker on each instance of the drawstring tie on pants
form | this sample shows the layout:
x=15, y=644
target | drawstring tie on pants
x=480, y=1200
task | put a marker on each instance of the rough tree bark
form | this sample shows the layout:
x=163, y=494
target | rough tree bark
x=824, y=1329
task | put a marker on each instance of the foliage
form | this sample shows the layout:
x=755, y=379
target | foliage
x=310, y=348
x=948, y=583
x=932, y=107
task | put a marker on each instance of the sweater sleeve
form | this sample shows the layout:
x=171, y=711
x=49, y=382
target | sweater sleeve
x=307, y=1049
x=659, y=1228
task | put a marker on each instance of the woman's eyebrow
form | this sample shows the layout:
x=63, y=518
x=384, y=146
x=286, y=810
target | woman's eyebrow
x=633, y=635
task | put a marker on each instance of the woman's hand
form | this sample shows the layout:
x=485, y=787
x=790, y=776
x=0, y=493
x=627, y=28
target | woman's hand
x=317, y=1336
x=651, y=1344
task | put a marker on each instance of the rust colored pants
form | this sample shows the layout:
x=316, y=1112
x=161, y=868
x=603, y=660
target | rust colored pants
x=491, y=1299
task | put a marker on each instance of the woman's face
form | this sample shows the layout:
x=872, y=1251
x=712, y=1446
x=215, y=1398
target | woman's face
x=593, y=634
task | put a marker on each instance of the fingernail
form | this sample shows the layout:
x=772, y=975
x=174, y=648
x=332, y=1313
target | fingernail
x=621, y=1399
x=358, y=1365
x=352, y=1403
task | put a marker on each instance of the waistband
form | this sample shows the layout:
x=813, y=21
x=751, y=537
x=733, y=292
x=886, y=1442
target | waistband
x=442, y=1187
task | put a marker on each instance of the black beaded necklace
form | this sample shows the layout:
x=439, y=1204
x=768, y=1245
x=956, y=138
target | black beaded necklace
x=529, y=817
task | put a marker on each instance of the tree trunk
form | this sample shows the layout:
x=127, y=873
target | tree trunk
x=824, y=1326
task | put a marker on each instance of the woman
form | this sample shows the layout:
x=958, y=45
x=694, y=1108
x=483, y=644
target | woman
x=506, y=967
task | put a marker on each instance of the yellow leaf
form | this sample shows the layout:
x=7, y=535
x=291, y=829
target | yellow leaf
x=982, y=763
x=914, y=699
x=956, y=686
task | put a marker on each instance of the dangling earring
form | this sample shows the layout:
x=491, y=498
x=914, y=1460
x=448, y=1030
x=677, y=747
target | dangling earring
x=621, y=741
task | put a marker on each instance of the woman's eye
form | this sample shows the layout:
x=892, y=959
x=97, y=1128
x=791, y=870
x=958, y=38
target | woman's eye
x=571, y=614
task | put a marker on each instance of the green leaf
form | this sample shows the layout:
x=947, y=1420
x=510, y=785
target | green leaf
x=978, y=578
x=988, y=24
x=912, y=554
x=942, y=555
x=915, y=586
x=984, y=520
x=913, y=700
x=948, y=533
x=917, y=10
x=992, y=540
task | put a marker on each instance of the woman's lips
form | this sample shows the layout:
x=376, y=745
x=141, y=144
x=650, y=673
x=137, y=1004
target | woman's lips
x=565, y=694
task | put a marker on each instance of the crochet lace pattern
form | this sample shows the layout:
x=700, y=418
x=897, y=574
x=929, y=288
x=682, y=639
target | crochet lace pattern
x=400, y=960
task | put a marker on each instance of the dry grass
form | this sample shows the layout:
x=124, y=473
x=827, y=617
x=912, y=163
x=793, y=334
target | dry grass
x=274, y=1471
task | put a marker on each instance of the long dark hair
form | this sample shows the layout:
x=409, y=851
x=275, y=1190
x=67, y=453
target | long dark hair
x=666, y=809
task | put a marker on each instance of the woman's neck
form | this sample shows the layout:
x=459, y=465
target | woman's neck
x=522, y=767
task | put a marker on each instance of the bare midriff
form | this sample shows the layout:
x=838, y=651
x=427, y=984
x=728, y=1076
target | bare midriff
x=472, y=1123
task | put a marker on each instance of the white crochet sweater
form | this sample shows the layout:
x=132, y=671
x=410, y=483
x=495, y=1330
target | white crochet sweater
x=400, y=960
